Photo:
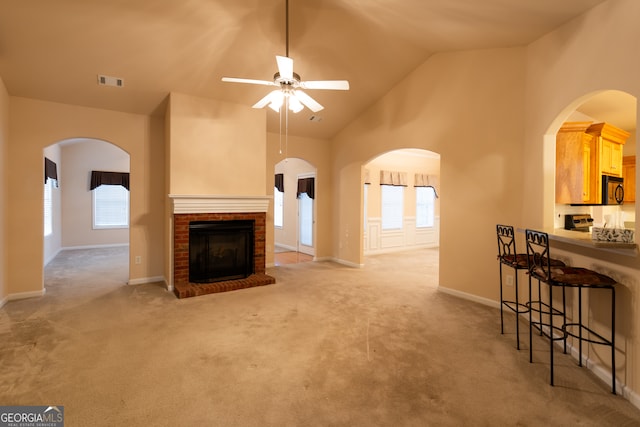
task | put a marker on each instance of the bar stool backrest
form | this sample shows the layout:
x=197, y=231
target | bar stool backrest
x=506, y=243
x=538, y=255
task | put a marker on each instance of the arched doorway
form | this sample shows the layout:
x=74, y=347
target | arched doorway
x=615, y=108
x=294, y=211
x=80, y=219
x=401, y=208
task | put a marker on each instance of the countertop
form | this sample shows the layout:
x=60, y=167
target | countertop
x=580, y=238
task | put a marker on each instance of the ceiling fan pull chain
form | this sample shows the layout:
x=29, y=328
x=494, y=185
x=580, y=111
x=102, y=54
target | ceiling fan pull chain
x=280, y=125
x=286, y=127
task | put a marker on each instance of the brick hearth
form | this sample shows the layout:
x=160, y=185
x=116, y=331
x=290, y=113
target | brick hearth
x=183, y=288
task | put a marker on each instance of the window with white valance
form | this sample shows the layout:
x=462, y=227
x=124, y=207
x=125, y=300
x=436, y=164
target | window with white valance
x=425, y=180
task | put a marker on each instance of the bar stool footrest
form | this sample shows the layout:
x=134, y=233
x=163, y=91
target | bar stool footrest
x=600, y=339
x=516, y=307
x=542, y=311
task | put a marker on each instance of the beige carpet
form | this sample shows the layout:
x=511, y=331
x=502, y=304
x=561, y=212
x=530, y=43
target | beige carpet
x=325, y=346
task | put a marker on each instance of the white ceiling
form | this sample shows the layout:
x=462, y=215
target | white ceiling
x=54, y=49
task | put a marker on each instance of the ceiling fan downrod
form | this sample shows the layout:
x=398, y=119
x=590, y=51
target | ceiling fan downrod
x=286, y=17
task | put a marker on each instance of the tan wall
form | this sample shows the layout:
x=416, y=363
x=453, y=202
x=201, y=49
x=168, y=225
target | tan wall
x=216, y=148
x=468, y=107
x=78, y=160
x=4, y=198
x=37, y=124
x=602, y=42
x=318, y=153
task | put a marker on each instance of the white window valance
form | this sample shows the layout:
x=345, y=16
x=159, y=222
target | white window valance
x=393, y=178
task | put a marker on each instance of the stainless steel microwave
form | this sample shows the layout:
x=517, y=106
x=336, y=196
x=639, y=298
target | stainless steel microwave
x=612, y=190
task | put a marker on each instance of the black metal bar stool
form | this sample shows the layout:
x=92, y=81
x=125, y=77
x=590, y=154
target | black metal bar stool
x=508, y=256
x=540, y=268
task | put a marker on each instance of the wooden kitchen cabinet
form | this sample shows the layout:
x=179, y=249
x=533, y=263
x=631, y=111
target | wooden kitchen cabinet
x=576, y=163
x=629, y=175
x=610, y=141
x=584, y=152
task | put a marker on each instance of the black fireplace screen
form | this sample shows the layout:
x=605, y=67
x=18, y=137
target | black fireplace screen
x=220, y=250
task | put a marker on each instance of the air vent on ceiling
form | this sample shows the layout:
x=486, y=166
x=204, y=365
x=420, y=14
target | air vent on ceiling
x=315, y=118
x=110, y=81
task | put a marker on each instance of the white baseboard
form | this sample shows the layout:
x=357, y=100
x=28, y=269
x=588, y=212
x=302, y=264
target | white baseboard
x=25, y=295
x=169, y=285
x=631, y=396
x=286, y=247
x=394, y=249
x=470, y=297
x=347, y=263
x=3, y=301
x=145, y=280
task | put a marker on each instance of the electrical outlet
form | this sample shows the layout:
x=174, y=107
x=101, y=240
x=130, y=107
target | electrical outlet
x=138, y=259
x=509, y=280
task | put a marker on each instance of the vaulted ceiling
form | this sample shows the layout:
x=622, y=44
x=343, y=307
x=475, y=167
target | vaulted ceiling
x=54, y=49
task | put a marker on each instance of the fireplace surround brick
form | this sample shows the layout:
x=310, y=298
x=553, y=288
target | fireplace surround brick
x=183, y=288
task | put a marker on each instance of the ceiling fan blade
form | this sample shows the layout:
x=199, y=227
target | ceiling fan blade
x=274, y=95
x=326, y=84
x=308, y=101
x=285, y=67
x=250, y=81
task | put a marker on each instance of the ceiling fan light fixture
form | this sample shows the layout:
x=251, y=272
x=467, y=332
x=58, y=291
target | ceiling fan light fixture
x=275, y=106
x=294, y=103
x=276, y=99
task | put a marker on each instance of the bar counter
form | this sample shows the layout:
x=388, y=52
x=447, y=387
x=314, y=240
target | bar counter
x=581, y=238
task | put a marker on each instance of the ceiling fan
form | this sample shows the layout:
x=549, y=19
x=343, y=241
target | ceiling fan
x=290, y=93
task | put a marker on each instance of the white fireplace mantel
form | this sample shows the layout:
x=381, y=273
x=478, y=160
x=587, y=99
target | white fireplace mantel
x=185, y=204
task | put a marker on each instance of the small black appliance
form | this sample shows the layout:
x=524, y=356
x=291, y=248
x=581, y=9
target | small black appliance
x=578, y=222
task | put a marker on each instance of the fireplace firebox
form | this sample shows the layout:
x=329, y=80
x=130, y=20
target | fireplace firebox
x=220, y=250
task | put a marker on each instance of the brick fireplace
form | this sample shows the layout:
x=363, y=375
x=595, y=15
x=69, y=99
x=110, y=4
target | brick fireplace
x=188, y=209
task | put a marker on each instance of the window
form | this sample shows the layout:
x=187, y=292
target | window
x=392, y=207
x=278, y=207
x=306, y=219
x=48, y=207
x=425, y=201
x=110, y=207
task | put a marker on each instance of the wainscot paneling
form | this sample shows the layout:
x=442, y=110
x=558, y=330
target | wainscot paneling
x=377, y=241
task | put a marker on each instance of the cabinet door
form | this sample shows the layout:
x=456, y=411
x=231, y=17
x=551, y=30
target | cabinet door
x=611, y=158
x=616, y=159
x=629, y=175
x=576, y=167
x=587, y=171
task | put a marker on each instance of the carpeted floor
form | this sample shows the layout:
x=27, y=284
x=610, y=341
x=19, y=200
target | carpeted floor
x=326, y=345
